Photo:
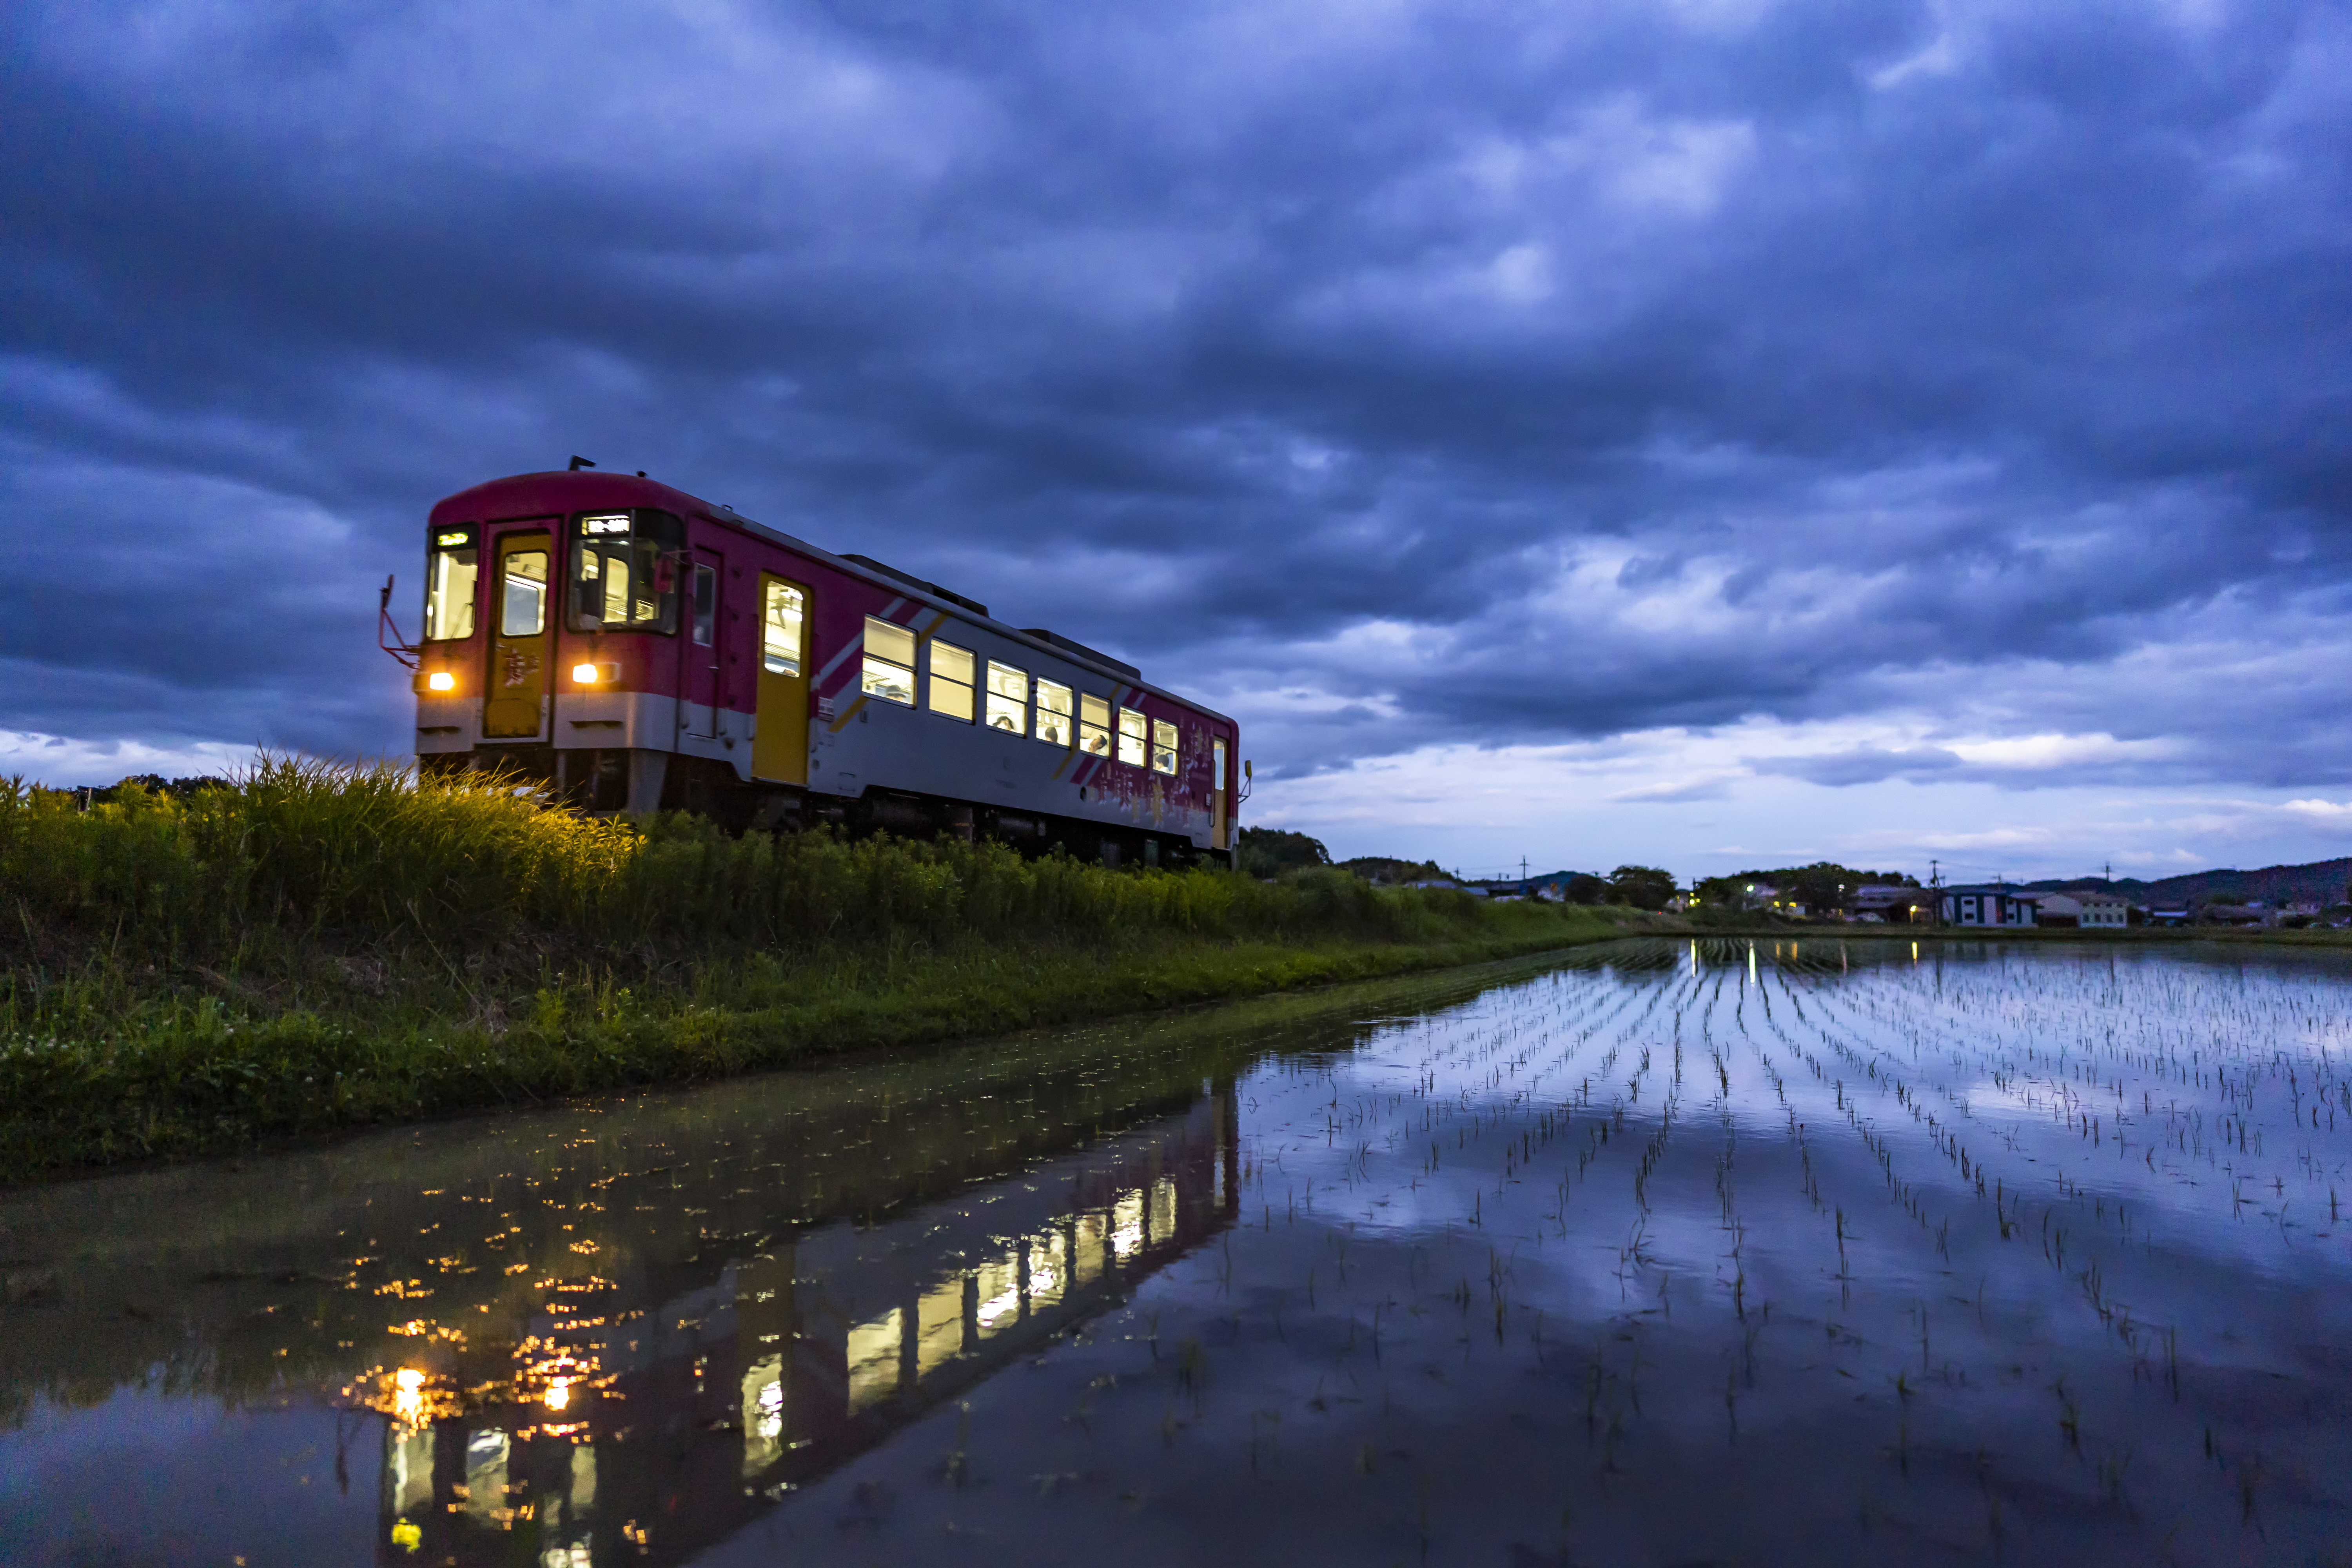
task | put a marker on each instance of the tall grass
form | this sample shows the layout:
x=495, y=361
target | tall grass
x=297, y=847
x=314, y=945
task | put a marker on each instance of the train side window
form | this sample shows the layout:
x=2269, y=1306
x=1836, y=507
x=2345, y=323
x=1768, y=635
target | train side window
x=1008, y=699
x=889, y=662
x=706, y=605
x=1163, y=746
x=951, y=681
x=1094, y=725
x=522, y=598
x=1130, y=737
x=783, y=626
x=450, y=593
x=1053, y=714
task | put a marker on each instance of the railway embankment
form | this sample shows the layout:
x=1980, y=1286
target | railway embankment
x=317, y=949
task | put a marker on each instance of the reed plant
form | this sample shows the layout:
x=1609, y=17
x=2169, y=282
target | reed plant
x=314, y=945
x=298, y=846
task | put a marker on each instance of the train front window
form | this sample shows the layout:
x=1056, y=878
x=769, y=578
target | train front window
x=951, y=681
x=624, y=574
x=1094, y=725
x=1163, y=746
x=522, y=595
x=890, y=672
x=1130, y=737
x=1053, y=714
x=1008, y=699
x=449, y=584
x=783, y=618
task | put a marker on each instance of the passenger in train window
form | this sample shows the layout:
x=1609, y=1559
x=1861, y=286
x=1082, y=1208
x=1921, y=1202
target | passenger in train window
x=782, y=628
x=1163, y=746
x=951, y=681
x=1094, y=725
x=889, y=662
x=1053, y=714
x=449, y=588
x=1130, y=737
x=1008, y=699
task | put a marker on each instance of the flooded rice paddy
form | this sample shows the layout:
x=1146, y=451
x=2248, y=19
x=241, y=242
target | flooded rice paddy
x=1667, y=1253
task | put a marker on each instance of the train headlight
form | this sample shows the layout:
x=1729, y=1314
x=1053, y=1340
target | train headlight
x=585, y=674
x=441, y=680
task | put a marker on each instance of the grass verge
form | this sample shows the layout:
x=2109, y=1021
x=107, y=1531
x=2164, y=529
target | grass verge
x=315, y=948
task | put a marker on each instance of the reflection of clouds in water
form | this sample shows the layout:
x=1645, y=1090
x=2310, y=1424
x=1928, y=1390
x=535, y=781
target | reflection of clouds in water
x=1477, y=1325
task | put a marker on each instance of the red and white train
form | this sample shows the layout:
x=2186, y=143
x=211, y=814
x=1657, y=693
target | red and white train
x=636, y=647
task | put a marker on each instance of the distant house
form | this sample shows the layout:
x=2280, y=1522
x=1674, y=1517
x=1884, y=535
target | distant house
x=2104, y=911
x=2168, y=915
x=1891, y=901
x=1550, y=884
x=1985, y=906
x=2086, y=907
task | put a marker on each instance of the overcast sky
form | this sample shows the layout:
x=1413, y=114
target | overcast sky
x=1711, y=434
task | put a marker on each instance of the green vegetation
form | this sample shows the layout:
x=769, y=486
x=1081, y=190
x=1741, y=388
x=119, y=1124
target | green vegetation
x=1824, y=884
x=315, y=947
x=1270, y=851
x=1383, y=871
x=1642, y=886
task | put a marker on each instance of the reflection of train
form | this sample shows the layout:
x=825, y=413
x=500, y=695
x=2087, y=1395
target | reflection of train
x=689, y=1414
x=636, y=647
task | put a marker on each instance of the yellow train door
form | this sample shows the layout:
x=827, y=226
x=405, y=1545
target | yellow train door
x=521, y=632
x=780, y=741
x=1217, y=825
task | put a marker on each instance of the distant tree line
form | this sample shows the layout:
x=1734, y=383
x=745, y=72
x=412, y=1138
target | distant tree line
x=1824, y=884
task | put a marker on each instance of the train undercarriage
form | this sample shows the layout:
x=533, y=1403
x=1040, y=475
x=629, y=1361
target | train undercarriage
x=603, y=781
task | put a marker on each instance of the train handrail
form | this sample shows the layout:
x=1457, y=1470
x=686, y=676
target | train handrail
x=400, y=647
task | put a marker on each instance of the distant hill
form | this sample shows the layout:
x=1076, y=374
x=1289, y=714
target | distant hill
x=2323, y=882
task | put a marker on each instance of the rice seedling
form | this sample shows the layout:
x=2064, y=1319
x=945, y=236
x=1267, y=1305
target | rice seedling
x=1532, y=1135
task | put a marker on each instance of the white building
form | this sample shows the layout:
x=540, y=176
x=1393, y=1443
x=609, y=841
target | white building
x=1987, y=906
x=2105, y=911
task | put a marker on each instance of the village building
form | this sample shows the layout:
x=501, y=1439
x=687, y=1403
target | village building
x=1892, y=901
x=2062, y=909
x=1987, y=906
x=2104, y=911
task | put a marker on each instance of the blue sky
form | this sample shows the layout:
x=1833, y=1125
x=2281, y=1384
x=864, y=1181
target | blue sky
x=1703, y=432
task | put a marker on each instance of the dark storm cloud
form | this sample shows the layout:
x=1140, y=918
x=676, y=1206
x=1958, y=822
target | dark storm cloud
x=1393, y=374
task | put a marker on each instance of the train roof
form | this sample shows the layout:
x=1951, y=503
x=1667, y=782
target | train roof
x=559, y=491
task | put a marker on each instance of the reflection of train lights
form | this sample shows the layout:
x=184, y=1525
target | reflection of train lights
x=781, y=1365
x=408, y=1395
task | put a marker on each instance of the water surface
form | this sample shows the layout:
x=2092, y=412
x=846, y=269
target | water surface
x=1669, y=1252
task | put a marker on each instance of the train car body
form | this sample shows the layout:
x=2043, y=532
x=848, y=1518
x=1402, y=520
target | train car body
x=636, y=648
